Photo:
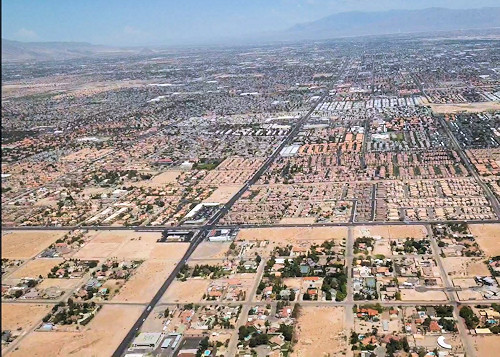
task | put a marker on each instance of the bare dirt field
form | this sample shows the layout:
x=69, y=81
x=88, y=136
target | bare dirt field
x=166, y=177
x=101, y=337
x=488, y=237
x=382, y=246
x=146, y=281
x=211, y=250
x=113, y=236
x=34, y=268
x=143, y=246
x=93, y=250
x=22, y=316
x=466, y=295
x=27, y=244
x=465, y=107
x=169, y=251
x=223, y=193
x=464, y=283
x=64, y=284
x=293, y=235
x=458, y=266
x=487, y=346
x=130, y=245
x=412, y=295
x=391, y=232
x=191, y=290
x=320, y=332
x=297, y=220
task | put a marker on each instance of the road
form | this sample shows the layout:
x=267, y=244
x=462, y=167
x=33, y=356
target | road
x=449, y=291
x=349, y=300
x=246, y=226
x=245, y=308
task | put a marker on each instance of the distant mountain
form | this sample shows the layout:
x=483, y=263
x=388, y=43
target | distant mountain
x=394, y=21
x=15, y=51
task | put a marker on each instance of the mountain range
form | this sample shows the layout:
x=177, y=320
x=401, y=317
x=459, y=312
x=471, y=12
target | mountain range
x=345, y=24
x=357, y=23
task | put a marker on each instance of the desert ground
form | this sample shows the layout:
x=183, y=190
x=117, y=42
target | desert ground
x=487, y=346
x=293, y=235
x=465, y=107
x=297, y=220
x=458, y=266
x=99, y=338
x=22, y=316
x=464, y=283
x=130, y=245
x=27, y=244
x=165, y=177
x=466, y=295
x=36, y=267
x=93, y=250
x=382, y=246
x=145, y=246
x=320, y=331
x=146, y=281
x=64, y=284
x=211, y=250
x=391, y=232
x=223, y=193
x=191, y=290
x=487, y=236
x=295, y=283
x=412, y=295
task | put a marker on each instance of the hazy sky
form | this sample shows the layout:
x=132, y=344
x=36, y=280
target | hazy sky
x=155, y=22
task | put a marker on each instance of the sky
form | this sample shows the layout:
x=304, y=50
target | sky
x=174, y=22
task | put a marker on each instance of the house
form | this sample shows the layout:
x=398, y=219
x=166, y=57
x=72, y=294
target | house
x=278, y=340
x=370, y=340
x=434, y=327
x=285, y=312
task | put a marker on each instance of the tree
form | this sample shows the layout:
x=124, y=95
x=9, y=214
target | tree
x=242, y=333
x=287, y=331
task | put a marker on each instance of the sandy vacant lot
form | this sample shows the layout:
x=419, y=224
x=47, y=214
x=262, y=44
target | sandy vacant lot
x=320, y=332
x=391, y=232
x=465, y=107
x=145, y=246
x=211, y=250
x=412, y=295
x=166, y=177
x=488, y=237
x=130, y=245
x=96, y=250
x=34, y=268
x=297, y=220
x=223, y=193
x=295, y=283
x=146, y=281
x=293, y=235
x=487, y=346
x=191, y=290
x=466, y=295
x=103, y=334
x=382, y=246
x=64, y=284
x=458, y=266
x=22, y=316
x=27, y=244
